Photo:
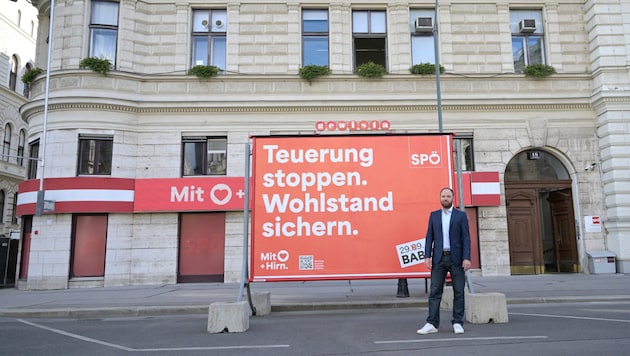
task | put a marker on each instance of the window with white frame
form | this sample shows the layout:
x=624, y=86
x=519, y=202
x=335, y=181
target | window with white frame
x=369, y=37
x=315, y=37
x=209, y=38
x=528, y=40
x=204, y=156
x=104, y=30
x=15, y=63
x=421, y=26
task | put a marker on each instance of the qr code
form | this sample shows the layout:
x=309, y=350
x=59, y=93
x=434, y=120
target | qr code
x=306, y=262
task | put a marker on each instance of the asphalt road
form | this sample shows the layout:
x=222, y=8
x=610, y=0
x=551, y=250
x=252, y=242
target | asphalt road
x=596, y=328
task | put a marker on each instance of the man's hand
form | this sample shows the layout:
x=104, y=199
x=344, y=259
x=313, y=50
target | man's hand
x=466, y=265
x=427, y=262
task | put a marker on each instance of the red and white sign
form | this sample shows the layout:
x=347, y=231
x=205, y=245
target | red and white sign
x=345, y=207
x=481, y=188
x=189, y=194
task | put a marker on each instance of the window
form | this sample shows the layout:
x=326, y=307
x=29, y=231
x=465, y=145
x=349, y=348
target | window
x=33, y=160
x=6, y=146
x=20, y=150
x=95, y=155
x=13, y=73
x=422, y=45
x=467, y=149
x=369, y=32
x=528, y=45
x=14, y=219
x=204, y=156
x=25, y=90
x=1, y=206
x=315, y=37
x=104, y=30
x=208, y=38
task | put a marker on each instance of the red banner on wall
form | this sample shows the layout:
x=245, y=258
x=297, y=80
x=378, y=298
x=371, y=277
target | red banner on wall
x=345, y=207
x=189, y=194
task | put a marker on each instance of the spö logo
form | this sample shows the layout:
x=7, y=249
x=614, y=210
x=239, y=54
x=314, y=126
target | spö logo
x=425, y=159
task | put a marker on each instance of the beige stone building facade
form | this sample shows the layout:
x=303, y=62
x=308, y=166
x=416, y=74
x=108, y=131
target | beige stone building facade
x=560, y=144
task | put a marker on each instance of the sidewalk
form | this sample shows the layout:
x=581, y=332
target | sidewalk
x=285, y=296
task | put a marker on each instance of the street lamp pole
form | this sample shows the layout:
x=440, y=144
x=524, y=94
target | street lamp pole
x=39, y=208
x=436, y=40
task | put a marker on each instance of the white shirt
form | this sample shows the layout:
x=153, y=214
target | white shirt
x=446, y=225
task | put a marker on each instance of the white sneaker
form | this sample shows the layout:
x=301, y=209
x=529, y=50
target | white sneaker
x=428, y=328
x=458, y=328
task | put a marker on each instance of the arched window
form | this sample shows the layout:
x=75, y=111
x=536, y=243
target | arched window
x=14, y=219
x=26, y=90
x=1, y=206
x=6, y=146
x=14, y=71
x=19, y=18
x=20, y=150
x=535, y=165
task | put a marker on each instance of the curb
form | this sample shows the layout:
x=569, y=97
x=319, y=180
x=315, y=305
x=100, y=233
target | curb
x=102, y=312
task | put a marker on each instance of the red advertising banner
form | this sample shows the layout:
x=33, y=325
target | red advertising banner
x=189, y=194
x=345, y=207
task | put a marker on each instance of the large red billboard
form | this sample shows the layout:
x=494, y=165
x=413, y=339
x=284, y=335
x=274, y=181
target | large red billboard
x=345, y=207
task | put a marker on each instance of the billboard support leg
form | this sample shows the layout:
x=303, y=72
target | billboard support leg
x=403, y=289
x=245, y=267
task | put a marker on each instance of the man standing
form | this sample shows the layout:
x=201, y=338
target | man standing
x=447, y=249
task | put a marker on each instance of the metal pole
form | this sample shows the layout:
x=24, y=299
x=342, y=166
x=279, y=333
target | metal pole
x=39, y=208
x=436, y=40
x=244, y=274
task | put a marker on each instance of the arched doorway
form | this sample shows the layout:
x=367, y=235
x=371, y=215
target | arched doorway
x=539, y=202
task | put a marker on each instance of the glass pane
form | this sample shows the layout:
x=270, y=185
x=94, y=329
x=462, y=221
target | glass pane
x=422, y=49
x=217, y=156
x=378, y=22
x=200, y=51
x=193, y=158
x=86, y=156
x=316, y=50
x=547, y=167
x=360, y=22
x=105, y=13
x=535, y=49
x=104, y=157
x=219, y=21
x=315, y=21
x=369, y=50
x=218, y=52
x=201, y=20
x=518, y=54
x=103, y=44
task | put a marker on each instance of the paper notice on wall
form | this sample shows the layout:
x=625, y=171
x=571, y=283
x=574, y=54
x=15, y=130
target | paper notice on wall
x=592, y=223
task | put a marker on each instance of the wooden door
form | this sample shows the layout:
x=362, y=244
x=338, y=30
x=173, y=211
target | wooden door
x=524, y=231
x=88, y=246
x=565, y=241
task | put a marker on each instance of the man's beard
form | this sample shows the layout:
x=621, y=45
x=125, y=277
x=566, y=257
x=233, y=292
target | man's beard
x=447, y=205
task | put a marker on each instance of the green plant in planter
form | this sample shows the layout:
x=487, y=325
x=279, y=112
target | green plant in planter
x=371, y=70
x=96, y=64
x=29, y=76
x=203, y=71
x=538, y=70
x=424, y=68
x=312, y=71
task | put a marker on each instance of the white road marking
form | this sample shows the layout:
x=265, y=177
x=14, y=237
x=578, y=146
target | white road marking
x=130, y=349
x=460, y=338
x=572, y=317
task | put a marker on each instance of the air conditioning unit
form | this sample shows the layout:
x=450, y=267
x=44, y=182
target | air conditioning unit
x=423, y=24
x=527, y=26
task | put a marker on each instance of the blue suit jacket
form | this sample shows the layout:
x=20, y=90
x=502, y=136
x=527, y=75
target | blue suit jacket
x=459, y=235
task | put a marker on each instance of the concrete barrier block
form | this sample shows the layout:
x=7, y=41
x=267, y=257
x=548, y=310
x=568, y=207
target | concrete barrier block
x=262, y=303
x=483, y=308
x=228, y=317
x=447, y=298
